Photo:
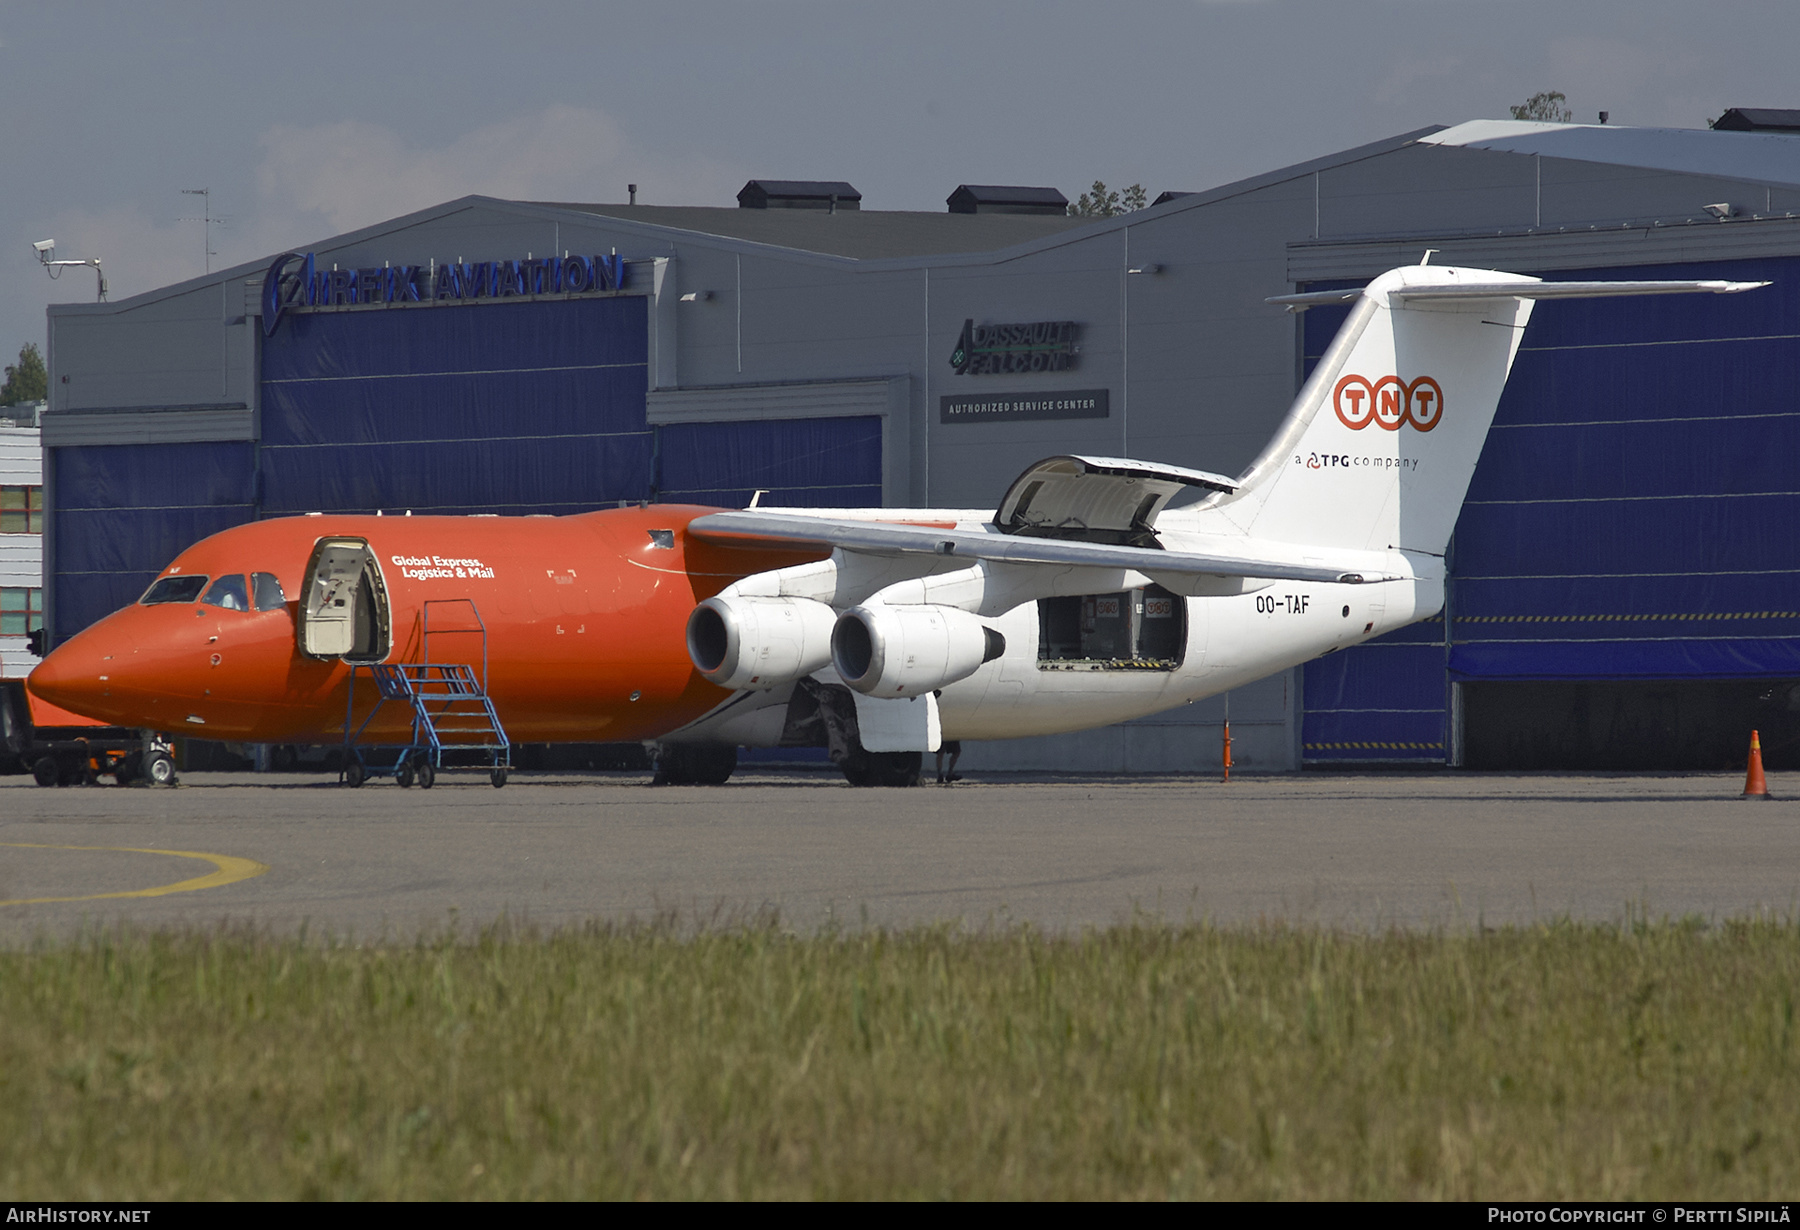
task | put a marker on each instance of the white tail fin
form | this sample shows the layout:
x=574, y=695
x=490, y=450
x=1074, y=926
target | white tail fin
x=1379, y=447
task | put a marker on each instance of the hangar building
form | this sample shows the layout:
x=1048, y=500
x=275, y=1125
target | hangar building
x=1625, y=584
x=21, y=537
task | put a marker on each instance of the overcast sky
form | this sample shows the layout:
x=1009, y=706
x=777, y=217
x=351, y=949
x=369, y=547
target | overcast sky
x=309, y=119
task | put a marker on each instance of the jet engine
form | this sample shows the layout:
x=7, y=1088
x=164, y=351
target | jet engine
x=759, y=642
x=888, y=651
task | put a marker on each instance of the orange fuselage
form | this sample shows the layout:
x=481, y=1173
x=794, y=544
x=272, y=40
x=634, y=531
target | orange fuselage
x=584, y=616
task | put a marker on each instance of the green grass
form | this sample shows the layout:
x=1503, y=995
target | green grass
x=1643, y=1061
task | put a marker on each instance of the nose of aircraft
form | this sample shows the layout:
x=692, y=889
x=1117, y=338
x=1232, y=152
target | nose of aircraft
x=106, y=671
x=74, y=676
x=170, y=665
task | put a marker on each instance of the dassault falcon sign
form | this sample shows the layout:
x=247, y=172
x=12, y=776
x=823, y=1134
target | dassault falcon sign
x=1042, y=346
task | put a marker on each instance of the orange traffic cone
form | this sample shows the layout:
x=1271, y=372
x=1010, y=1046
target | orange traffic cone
x=1754, y=785
x=1227, y=776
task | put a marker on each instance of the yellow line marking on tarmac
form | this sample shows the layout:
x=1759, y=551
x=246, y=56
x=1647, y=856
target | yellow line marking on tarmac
x=231, y=869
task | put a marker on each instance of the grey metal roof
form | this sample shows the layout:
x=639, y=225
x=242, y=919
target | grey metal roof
x=1759, y=157
x=879, y=235
x=863, y=234
x=871, y=235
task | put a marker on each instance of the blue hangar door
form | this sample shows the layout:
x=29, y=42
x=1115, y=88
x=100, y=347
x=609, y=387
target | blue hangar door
x=123, y=511
x=534, y=406
x=524, y=407
x=1625, y=576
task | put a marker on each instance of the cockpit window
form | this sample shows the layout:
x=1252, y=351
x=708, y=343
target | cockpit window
x=268, y=591
x=174, y=589
x=228, y=592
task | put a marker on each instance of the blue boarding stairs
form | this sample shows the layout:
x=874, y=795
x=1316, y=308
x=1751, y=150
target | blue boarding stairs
x=451, y=712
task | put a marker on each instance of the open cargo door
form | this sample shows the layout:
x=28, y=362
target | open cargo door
x=1097, y=499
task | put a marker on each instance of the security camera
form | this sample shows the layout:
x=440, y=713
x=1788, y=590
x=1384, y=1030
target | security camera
x=1721, y=211
x=45, y=249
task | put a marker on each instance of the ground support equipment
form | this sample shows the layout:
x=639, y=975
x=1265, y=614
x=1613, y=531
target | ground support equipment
x=71, y=755
x=451, y=712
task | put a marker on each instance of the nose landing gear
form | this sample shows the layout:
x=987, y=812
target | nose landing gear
x=159, y=769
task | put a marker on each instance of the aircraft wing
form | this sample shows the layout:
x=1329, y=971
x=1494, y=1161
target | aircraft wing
x=757, y=526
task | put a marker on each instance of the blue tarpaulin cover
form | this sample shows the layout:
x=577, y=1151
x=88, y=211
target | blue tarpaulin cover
x=806, y=463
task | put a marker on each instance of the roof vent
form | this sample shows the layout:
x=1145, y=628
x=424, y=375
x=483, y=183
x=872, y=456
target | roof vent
x=828, y=194
x=1758, y=119
x=23, y=414
x=1001, y=199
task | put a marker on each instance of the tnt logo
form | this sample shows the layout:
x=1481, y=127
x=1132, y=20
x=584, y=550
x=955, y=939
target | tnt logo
x=1388, y=402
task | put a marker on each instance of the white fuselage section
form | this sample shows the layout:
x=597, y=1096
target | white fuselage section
x=1232, y=640
x=1249, y=631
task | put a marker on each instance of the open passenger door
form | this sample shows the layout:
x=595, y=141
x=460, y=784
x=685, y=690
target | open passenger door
x=344, y=603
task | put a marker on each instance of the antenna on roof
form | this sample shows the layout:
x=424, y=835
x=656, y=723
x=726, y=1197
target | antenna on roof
x=207, y=220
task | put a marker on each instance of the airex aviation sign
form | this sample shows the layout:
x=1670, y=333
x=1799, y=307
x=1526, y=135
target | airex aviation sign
x=295, y=281
x=1388, y=402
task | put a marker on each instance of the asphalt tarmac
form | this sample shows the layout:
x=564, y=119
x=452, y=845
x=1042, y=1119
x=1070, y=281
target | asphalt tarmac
x=1364, y=851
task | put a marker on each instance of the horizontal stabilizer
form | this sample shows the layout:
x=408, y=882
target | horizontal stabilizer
x=752, y=527
x=1519, y=290
x=1315, y=298
x=1567, y=290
